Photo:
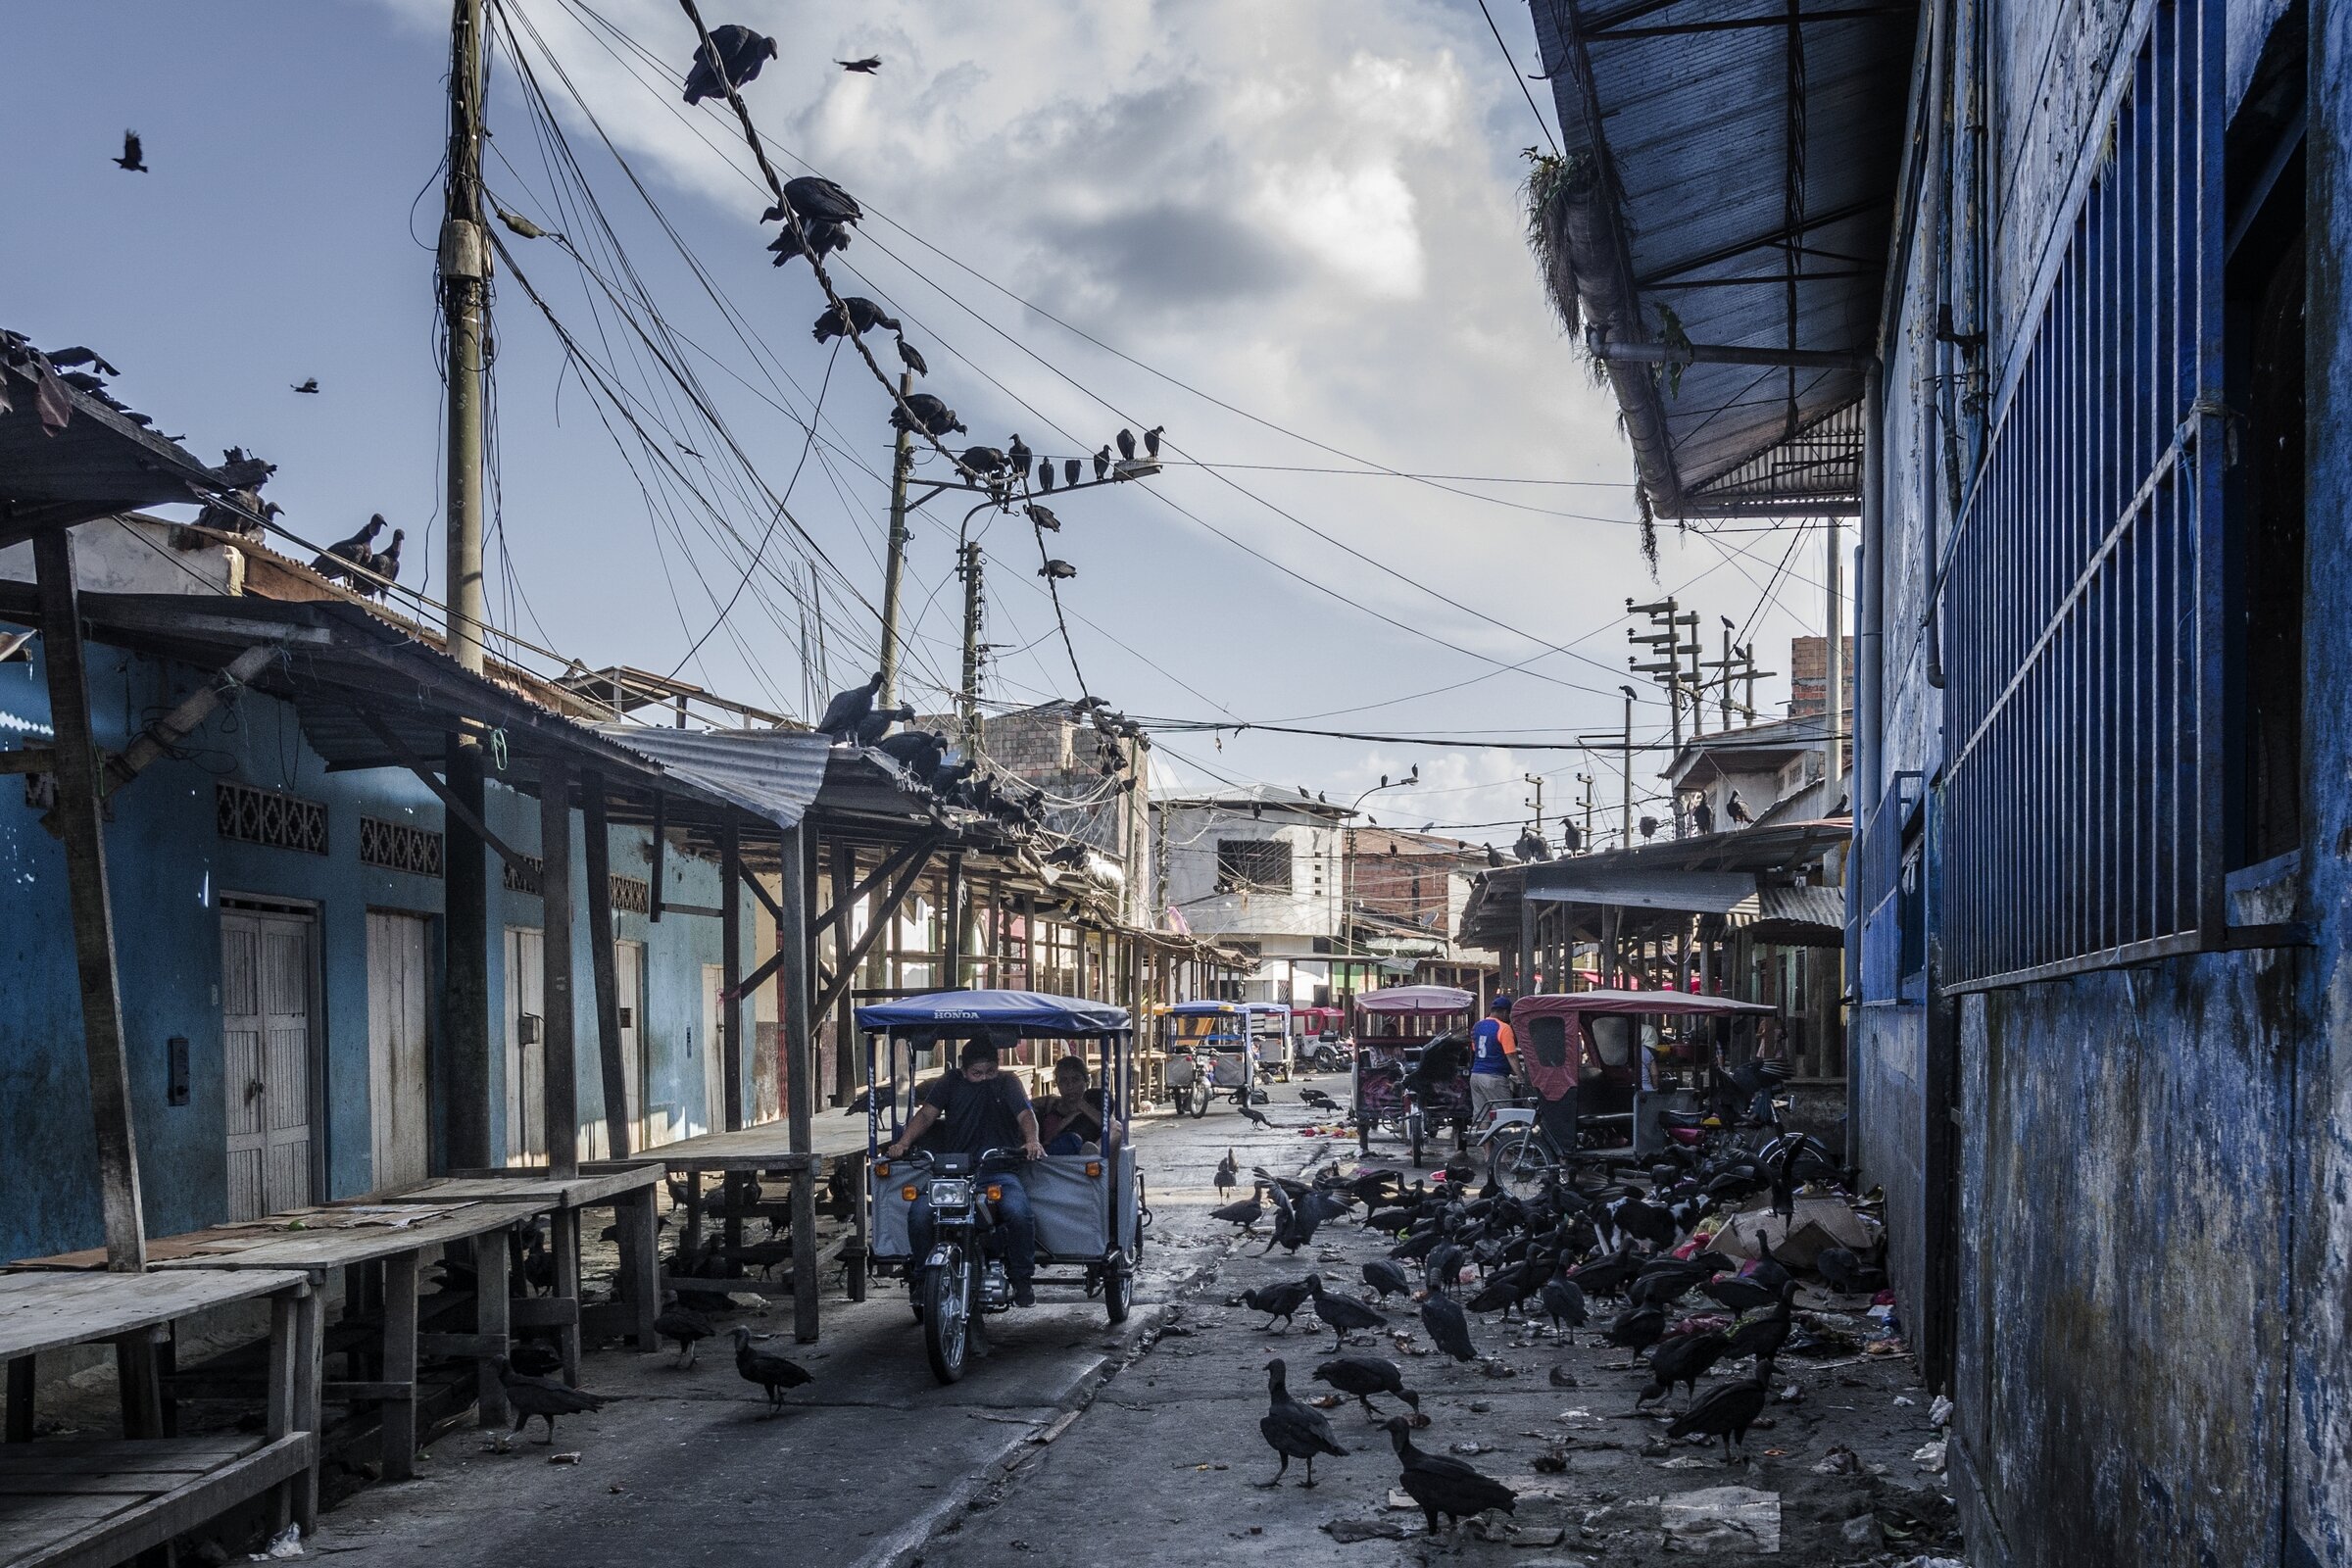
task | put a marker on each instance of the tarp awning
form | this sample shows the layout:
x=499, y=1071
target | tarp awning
x=1696, y=892
x=1416, y=999
x=1669, y=1003
x=971, y=1013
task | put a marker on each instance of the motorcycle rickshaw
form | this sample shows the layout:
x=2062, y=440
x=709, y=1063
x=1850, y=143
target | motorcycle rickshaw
x=1412, y=1064
x=1089, y=1209
x=1627, y=1096
x=1213, y=1049
x=1322, y=1036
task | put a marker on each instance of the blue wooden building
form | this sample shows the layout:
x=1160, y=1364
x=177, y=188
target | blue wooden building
x=2041, y=300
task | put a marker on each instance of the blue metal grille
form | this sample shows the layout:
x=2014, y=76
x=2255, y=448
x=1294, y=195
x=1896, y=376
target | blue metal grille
x=2082, y=591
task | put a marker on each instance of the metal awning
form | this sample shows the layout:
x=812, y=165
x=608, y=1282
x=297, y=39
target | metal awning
x=1723, y=205
x=774, y=774
x=1810, y=916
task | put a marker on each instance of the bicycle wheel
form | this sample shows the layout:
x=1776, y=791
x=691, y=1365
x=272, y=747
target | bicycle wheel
x=1517, y=1160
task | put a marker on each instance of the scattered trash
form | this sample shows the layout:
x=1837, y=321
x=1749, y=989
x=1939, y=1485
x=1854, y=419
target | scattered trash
x=614, y=1489
x=570, y=1457
x=1863, y=1529
x=1685, y=1462
x=1349, y=1531
x=1480, y=1408
x=1940, y=1413
x=1841, y=1460
x=1504, y=1531
x=1904, y=1398
x=1469, y=1447
x=287, y=1542
x=1402, y=1500
x=1562, y=1378
x=1500, y=1369
x=1062, y=1424
x=1738, y=1517
x=1931, y=1456
x=1550, y=1462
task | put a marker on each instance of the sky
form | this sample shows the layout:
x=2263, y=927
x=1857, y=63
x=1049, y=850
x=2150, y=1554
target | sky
x=1291, y=234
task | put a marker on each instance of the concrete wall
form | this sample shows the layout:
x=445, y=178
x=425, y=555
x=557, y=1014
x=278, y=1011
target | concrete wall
x=1313, y=906
x=169, y=869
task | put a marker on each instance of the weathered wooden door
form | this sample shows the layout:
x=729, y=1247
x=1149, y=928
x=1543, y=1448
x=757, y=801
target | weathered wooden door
x=629, y=967
x=265, y=1060
x=714, y=1072
x=526, y=1051
x=399, y=1050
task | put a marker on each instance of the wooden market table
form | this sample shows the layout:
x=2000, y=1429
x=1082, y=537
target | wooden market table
x=767, y=1149
x=92, y=1503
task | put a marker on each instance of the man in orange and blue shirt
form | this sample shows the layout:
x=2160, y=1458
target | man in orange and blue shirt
x=1494, y=1060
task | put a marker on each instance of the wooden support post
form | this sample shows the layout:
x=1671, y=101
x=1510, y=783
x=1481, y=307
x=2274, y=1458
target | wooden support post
x=564, y=1240
x=21, y=1384
x=661, y=848
x=1524, y=977
x=792, y=1020
x=399, y=1414
x=953, y=910
x=730, y=998
x=641, y=1264
x=560, y=1075
x=279, y=1402
x=490, y=1322
x=845, y=1009
x=78, y=825
x=310, y=1322
x=596, y=865
x=140, y=1388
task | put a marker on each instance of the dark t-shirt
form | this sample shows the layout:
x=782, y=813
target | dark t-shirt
x=975, y=1117
x=1086, y=1121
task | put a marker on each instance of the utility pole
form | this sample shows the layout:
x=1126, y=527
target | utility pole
x=463, y=266
x=1834, y=698
x=1586, y=779
x=1625, y=823
x=1537, y=779
x=967, y=568
x=901, y=465
x=1667, y=619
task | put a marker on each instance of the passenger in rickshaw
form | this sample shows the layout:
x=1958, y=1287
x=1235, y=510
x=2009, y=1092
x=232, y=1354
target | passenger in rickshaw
x=971, y=1111
x=1074, y=1119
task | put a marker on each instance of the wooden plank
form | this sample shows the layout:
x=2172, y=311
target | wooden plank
x=604, y=975
x=559, y=1071
x=592, y=1188
x=75, y=817
x=126, y=1533
x=105, y=1456
x=49, y=1311
x=450, y=801
x=319, y=1250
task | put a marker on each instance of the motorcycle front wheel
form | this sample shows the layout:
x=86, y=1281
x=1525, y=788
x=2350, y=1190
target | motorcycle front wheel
x=948, y=1316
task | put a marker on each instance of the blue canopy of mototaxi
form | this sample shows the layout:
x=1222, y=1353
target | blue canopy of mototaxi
x=1033, y=1013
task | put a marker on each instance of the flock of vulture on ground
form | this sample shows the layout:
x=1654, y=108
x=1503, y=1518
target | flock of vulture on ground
x=1620, y=1234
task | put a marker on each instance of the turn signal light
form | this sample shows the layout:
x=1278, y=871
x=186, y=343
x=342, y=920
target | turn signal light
x=908, y=1192
x=882, y=1168
x=996, y=1194
x=1093, y=1168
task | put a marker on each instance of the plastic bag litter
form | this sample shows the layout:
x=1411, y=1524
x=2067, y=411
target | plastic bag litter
x=1737, y=1517
x=1940, y=1413
x=287, y=1542
x=1930, y=1454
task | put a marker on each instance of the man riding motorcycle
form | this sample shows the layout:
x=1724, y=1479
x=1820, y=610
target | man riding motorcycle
x=971, y=1111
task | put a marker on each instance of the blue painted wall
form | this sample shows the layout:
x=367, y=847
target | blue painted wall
x=2154, y=1187
x=168, y=870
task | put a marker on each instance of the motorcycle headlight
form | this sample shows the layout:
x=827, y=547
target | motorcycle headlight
x=951, y=1191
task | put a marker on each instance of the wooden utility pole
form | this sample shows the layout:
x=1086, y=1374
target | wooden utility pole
x=901, y=465
x=560, y=1071
x=602, y=965
x=1625, y=820
x=795, y=1030
x=79, y=824
x=1833, y=705
x=463, y=266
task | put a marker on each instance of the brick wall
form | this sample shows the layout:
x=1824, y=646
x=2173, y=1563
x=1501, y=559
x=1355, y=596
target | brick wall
x=1808, y=674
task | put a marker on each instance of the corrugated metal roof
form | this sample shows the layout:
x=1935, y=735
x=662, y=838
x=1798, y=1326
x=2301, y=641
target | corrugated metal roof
x=1692, y=128
x=775, y=774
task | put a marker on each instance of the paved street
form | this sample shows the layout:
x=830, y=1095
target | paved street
x=875, y=1463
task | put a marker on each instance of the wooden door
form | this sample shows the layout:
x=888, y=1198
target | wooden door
x=399, y=1050
x=265, y=1060
x=628, y=968
x=714, y=1070
x=526, y=1049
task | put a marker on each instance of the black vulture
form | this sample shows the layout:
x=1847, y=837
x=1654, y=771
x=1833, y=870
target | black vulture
x=1442, y=1485
x=1045, y=474
x=1763, y=1334
x=911, y=358
x=983, y=460
x=685, y=1328
x=1363, y=1375
x=1245, y=1213
x=536, y=1359
x=1292, y=1430
x=1740, y=1293
x=1069, y=471
x=1737, y=810
x=1342, y=1314
x=1255, y=1116
x=919, y=751
x=873, y=726
x=1726, y=1412
x=1151, y=440
x=1040, y=516
x=819, y=238
x=1388, y=1277
x=1682, y=1359
x=931, y=416
x=1017, y=453
x=1102, y=463
x=336, y=562
x=134, y=154
x=845, y=709
x=1847, y=1274
x=1702, y=816
x=385, y=563
x=816, y=198
x=1278, y=1301
x=862, y=314
x=865, y=66
x=1126, y=440
x=1229, y=1171
x=309, y=384
x=543, y=1398
x=738, y=49
x=770, y=1371
x=1564, y=1303
x=1057, y=570
x=1448, y=1328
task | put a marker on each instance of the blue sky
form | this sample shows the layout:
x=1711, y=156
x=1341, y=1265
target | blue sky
x=1304, y=213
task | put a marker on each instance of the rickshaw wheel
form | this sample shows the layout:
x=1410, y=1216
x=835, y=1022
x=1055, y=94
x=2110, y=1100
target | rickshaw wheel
x=1413, y=1129
x=1118, y=1290
x=1363, y=1138
x=948, y=1319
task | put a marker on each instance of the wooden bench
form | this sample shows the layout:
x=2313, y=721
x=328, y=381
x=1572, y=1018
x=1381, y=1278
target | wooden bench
x=94, y=1504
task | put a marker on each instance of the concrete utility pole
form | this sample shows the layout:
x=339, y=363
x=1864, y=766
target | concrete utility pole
x=462, y=267
x=1586, y=779
x=1625, y=825
x=901, y=465
x=1833, y=705
x=1537, y=779
x=967, y=568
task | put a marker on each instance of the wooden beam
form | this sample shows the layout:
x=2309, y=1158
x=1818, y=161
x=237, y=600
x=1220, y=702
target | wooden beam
x=560, y=1075
x=881, y=873
x=952, y=913
x=450, y=801
x=661, y=848
x=730, y=1004
x=602, y=961
x=844, y=857
x=884, y=918
x=767, y=899
x=77, y=823
x=793, y=1019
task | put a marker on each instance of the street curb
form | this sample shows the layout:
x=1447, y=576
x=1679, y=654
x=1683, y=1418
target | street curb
x=904, y=1545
